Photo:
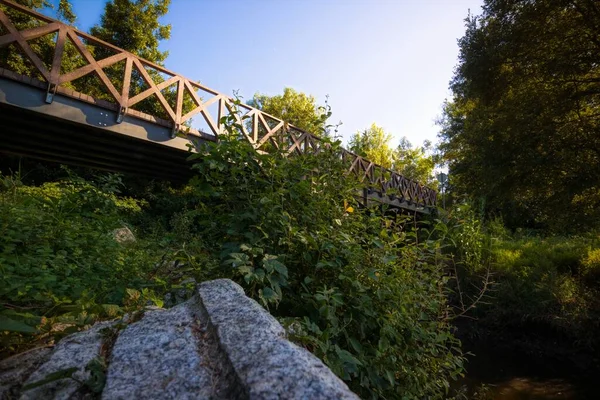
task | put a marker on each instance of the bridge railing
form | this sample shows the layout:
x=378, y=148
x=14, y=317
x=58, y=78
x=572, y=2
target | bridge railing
x=62, y=59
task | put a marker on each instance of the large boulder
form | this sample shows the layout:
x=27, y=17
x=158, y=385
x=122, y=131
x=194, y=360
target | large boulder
x=220, y=344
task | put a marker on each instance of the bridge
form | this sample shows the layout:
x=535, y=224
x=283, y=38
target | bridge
x=68, y=97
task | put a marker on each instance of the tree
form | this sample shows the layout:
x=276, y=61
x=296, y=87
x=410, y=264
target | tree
x=65, y=12
x=294, y=107
x=415, y=162
x=522, y=131
x=12, y=56
x=133, y=25
x=374, y=144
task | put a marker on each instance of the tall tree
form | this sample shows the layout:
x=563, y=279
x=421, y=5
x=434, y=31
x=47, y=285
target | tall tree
x=415, y=162
x=523, y=128
x=294, y=107
x=65, y=12
x=133, y=25
x=374, y=144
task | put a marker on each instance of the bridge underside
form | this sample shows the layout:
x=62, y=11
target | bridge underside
x=71, y=132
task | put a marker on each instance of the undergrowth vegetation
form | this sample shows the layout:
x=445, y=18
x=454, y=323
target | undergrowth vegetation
x=549, y=284
x=363, y=291
x=60, y=266
x=372, y=293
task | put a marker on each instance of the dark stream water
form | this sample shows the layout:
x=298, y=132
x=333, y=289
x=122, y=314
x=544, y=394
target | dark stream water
x=511, y=374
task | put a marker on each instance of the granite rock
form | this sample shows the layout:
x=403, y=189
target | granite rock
x=159, y=357
x=15, y=370
x=220, y=344
x=74, y=351
x=123, y=235
x=267, y=364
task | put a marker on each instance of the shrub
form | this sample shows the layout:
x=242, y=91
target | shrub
x=591, y=266
x=363, y=292
x=58, y=259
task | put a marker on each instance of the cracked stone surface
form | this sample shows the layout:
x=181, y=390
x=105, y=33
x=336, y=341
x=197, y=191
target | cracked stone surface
x=159, y=357
x=15, y=370
x=268, y=365
x=220, y=344
x=74, y=351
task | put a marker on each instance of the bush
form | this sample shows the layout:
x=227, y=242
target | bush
x=591, y=267
x=363, y=292
x=59, y=261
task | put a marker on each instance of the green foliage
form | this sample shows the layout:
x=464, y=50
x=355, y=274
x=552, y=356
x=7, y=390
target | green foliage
x=363, y=292
x=294, y=107
x=13, y=58
x=591, y=266
x=59, y=262
x=65, y=12
x=542, y=280
x=95, y=383
x=374, y=144
x=537, y=281
x=522, y=128
x=415, y=162
x=359, y=290
x=412, y=162
x=134, y=26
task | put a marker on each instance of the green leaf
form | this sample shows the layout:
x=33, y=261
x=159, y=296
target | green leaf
x=274, y=264
x=373, y=275
x=347, y=357
x=245, y=247
x=268, y=293
x=355, y=345
x=388, y=258
x=54, y=376
x=378, y=243
x=10, y=325
x=390, y=377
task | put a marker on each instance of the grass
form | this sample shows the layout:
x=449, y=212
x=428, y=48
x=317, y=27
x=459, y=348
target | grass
x=547, y=283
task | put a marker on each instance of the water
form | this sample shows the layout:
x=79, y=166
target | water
x=509, y=374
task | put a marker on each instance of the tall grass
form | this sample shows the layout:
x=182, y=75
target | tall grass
x=550, y=282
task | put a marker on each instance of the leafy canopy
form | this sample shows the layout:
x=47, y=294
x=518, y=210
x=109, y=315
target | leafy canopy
x=415, y=162
x=412, y=162
x=133, y=25
x=12, y=56
x=374, y=144
x=522, y=128
x=294, y=107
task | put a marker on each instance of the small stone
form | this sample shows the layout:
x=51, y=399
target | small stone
x=123, y=235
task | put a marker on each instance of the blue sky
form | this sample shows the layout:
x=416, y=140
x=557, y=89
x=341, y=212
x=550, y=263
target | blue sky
x=382, y=61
